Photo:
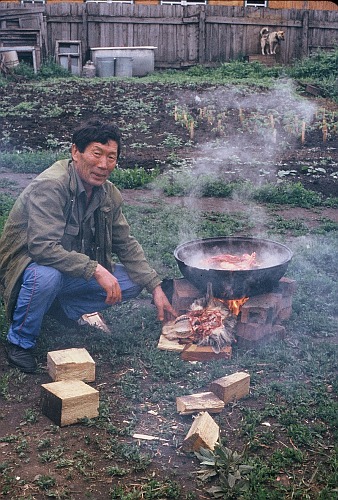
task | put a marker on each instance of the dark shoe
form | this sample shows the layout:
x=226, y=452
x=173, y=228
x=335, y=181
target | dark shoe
x=21, y=358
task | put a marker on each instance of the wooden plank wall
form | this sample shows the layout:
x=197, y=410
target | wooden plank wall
x=168, y=28
x=272, y=4
x=183, y=36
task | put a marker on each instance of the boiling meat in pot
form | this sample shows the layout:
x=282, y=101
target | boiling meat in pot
x=230, y=262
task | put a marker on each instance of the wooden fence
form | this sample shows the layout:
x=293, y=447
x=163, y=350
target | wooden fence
x=183, y=35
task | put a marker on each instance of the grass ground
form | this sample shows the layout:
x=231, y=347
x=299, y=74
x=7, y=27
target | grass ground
x=278, y=442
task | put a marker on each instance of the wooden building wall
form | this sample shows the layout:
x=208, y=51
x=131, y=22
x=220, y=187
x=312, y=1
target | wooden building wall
x=302, y=4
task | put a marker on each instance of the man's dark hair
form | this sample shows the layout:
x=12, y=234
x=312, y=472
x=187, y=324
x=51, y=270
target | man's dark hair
x=96, y=131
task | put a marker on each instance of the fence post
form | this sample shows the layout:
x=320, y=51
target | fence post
x=84, y=35
x=201, y=36
x=305, y=34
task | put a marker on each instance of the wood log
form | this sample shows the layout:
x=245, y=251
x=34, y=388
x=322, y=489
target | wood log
x=193, y=352
x=253, y=331
x=232, y=387
x=67, y=401
x=164, y=344
x=71, y=364
x=267, y=60
x=204, y=433
x=287, y=286
x=184, y=295
x=194, y=403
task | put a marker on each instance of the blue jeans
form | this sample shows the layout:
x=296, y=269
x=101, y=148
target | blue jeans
x=41, y=285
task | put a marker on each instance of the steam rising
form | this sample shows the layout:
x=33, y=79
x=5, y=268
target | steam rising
x=267, y=254
x=259, y=143
x=249, y=151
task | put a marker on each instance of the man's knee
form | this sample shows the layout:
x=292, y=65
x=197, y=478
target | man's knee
x=43, y=278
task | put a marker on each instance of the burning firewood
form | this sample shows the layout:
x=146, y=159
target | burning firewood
x=209, y=322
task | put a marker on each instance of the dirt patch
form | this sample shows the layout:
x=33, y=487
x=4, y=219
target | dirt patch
x=219, y=130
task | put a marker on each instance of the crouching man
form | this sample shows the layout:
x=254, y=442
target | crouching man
x=57, y=245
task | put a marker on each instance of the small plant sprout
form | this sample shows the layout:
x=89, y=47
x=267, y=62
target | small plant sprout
x=324, y=129
x=303, y=132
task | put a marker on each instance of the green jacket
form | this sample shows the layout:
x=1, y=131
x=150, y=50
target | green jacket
x=37, y=227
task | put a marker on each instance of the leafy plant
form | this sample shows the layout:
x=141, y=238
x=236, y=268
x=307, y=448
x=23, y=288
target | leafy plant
x=30, y=161
x=30, y=416
x=133, y=178
x=288, y=194
x=45, y=482
x=230, y=468
x=151, y=489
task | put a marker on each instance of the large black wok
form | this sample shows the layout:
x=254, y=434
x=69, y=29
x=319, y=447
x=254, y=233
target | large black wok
x=273, y=259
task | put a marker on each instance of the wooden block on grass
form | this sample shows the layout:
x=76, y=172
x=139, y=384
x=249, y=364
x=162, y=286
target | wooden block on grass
x=194, y=403
x=165, y=344
x=231, y=387
x=204, y=433
x=71, y=364
x=193, y=352
x=184, y=295
x=67, y=401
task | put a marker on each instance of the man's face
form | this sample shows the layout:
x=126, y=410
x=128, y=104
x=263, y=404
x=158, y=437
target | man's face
x=96, y=163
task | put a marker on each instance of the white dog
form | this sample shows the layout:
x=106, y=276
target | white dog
x=270, y=41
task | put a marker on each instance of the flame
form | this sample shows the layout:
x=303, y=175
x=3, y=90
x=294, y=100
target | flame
x=236, y=305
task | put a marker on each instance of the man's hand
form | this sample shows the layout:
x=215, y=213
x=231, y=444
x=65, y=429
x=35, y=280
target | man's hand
x=108, y=283
x=162, y=303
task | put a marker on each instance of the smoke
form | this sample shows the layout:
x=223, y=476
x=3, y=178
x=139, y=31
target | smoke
x=267, y=254
x=252, y=130
x=270, y=122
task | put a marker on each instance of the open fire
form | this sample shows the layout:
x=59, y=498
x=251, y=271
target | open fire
x=216, y=322
x=235, y=306
x=207, y=322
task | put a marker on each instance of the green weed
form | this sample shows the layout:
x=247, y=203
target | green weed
x=51, y=455
x=29, y=161
x=231, y=468
x=288, y=194
x=45, y=482
x=282, y=226
x=151, y=489
x=30, y=416
x=133, y=178
x=183, y=181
